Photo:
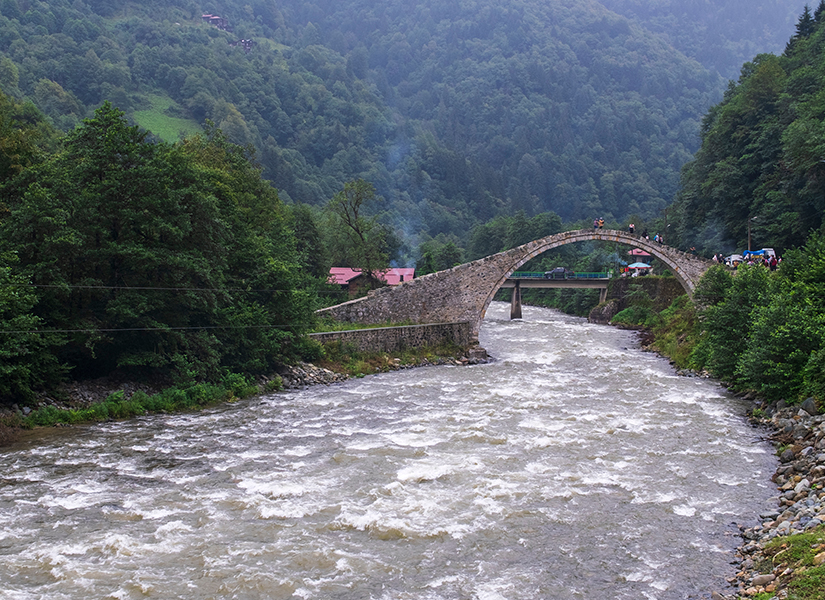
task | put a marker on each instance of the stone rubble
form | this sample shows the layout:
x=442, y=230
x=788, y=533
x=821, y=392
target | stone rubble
x=305, y=374
x=800, y=502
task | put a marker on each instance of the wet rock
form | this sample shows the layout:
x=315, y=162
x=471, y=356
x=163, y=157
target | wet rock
x=809, y=406
x=763, y=579
x=603, y=313
x=787, y=455
x=799, y=478
x=306, y=374
x=802, y=486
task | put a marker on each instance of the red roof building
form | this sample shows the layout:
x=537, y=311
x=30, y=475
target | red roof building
x=343, y=275
x=356, y=284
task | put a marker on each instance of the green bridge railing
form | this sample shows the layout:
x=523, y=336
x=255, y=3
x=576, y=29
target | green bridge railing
x=577, y=275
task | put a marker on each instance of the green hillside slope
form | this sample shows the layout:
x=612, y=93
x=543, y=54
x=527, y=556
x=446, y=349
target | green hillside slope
x=760, y=168
x=720, y=34
x=456, y=112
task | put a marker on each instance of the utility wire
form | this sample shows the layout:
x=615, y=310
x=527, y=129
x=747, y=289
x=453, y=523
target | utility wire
x=154, y=329
x=173, y=289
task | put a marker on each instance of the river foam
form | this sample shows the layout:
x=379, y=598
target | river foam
x=574, y=466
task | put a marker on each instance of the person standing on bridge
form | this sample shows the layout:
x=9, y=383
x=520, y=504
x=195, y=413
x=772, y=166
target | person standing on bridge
x=601, y=223
x=631, y=228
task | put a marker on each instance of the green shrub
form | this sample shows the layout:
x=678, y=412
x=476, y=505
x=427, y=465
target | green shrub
x=637, y=316
x=117, y=406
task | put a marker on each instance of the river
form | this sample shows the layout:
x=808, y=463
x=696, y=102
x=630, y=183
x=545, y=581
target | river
x=574, y=466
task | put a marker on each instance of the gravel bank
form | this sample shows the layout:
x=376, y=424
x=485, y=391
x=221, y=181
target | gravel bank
x=799, y=435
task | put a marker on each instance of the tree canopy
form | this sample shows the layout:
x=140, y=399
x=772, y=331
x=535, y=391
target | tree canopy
x=760, y=167
x=147, y=255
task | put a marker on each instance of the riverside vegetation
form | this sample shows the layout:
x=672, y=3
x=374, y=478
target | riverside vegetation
x=762, y=333
x=178, y=264
x=107, y=399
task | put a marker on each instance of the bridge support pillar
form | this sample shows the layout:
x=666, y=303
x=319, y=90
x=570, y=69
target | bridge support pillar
x=602, y=295
x=515, y=302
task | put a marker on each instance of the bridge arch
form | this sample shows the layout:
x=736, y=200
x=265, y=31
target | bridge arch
x=463, y=293
x=682, y=265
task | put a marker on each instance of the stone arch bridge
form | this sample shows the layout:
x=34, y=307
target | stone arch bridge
x=463, y=293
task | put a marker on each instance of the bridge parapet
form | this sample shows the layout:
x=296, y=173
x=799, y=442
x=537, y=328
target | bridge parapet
x=464, y=292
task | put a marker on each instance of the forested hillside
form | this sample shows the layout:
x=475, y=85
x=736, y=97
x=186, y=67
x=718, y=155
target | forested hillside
x=457, y=113
x=720, y=34
x=117, y=252
x=761, y=166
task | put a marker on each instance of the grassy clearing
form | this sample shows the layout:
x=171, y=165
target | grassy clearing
x=675, y=330
x=800, y=554
x=329, y=325
x=157, y=120
x=677, y=333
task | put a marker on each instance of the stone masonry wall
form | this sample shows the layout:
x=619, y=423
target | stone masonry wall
x=392, y=339
x=463, y=293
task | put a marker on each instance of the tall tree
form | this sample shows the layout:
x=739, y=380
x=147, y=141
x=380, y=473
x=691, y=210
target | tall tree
x=806, y=24
x=819, y=13
x=365, y=239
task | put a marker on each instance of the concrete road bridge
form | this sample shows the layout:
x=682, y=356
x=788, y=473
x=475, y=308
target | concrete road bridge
x=517, y=282
x=463, y=293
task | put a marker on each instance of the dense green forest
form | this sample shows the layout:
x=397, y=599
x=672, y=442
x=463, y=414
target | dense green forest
x=118, y=252
x=433, y=134
x=759, y=173
x=455, y=112
x=720, y=34
x=759, y=331
x=760, y=167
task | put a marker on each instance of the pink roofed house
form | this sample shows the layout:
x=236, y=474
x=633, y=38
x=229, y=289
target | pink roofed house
x=353, y=280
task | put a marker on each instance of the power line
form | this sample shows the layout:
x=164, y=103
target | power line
x=154, y=329
x=172, y=289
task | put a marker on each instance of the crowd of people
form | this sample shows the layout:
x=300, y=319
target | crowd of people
x=771, y=261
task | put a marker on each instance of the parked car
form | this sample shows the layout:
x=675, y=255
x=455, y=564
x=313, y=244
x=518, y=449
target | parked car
x=734, y=260
x=559, y=273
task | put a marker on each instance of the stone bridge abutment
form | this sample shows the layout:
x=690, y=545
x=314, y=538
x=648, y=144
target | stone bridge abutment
x=463, y=293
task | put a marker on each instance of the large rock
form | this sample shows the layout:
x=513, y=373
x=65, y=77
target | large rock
x=605, y=312
x=809, y=406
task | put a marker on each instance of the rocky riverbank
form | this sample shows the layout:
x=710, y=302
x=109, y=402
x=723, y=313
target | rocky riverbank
x=799, y=435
